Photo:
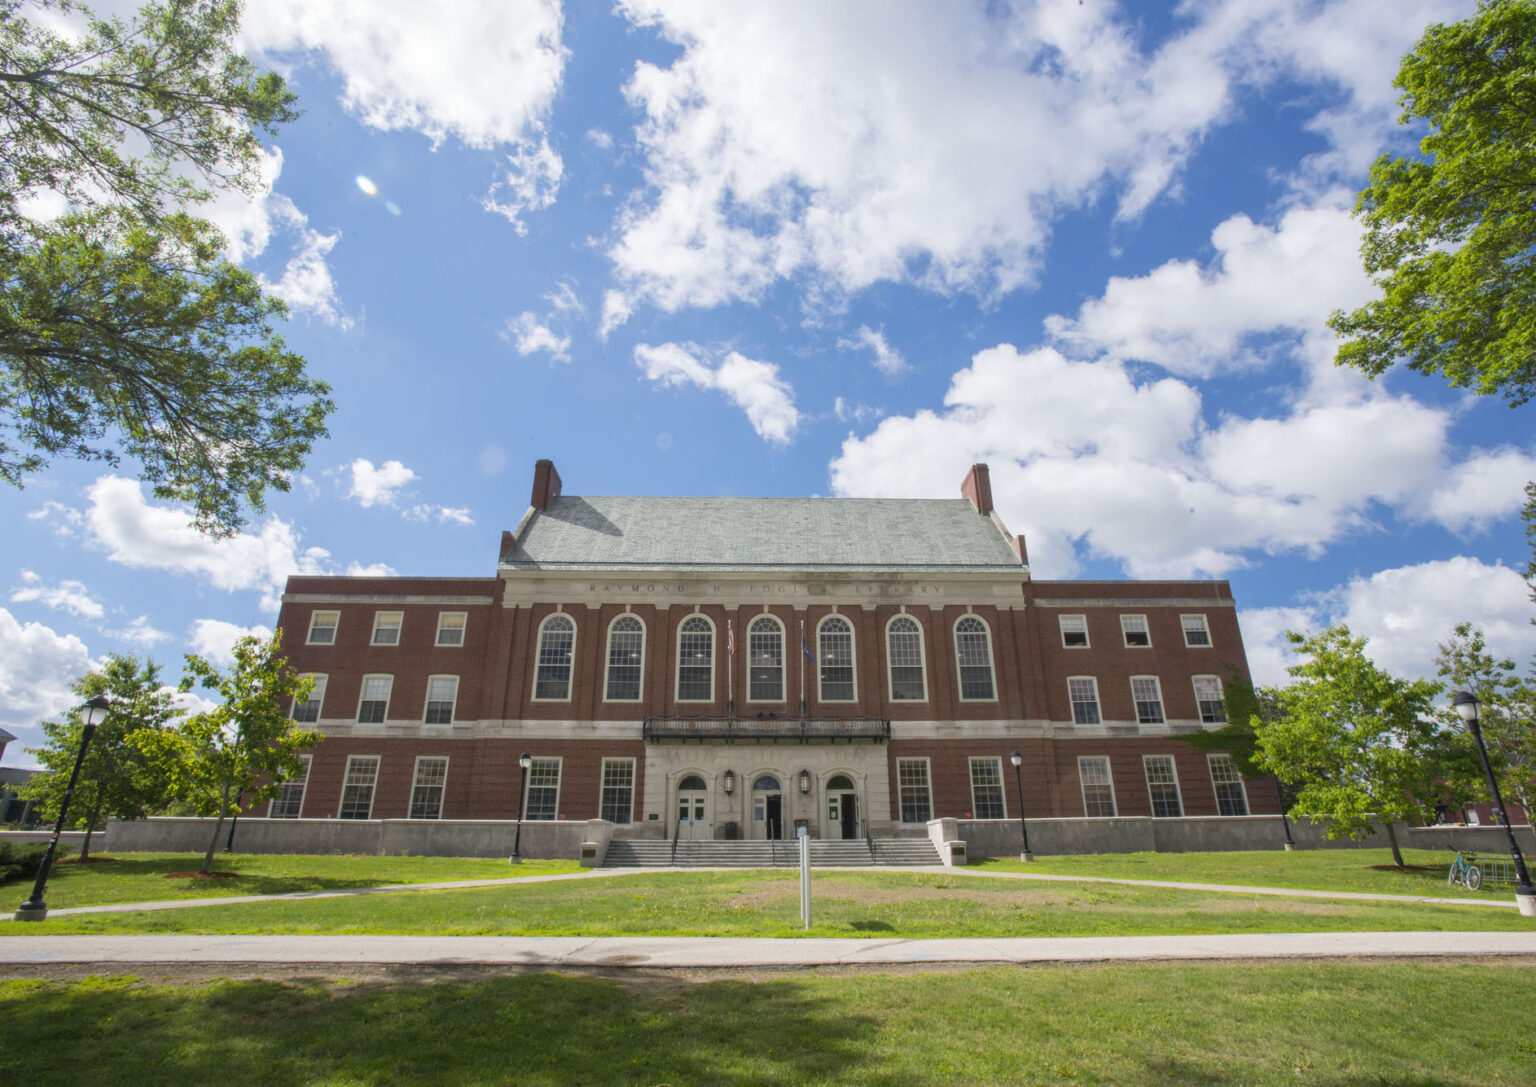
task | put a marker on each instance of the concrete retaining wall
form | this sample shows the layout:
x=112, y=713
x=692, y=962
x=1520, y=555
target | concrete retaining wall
x=72, y=838
x=1145, y=834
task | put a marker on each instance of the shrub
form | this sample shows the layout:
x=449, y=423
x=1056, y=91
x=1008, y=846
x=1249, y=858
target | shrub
x=22, y=860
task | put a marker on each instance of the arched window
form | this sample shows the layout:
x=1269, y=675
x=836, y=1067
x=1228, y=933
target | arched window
x=904, y=652
x=626, y=659
x=557, y=644
x=973, y=652
x=834, y=639
x=765, y=660
x=696, y=660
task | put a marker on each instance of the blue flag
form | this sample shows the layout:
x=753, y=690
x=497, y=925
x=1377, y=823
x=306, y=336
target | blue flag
x=805, y=650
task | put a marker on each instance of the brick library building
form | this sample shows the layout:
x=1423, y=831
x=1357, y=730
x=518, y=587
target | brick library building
x=721, y=668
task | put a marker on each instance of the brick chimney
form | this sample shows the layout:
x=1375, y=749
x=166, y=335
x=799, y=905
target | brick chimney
x=978, y=488
x=546, y=484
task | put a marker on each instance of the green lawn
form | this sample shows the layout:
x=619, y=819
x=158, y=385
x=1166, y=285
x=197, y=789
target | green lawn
x=1138, y=1024
x=766, y=903
x=1369, y=870
x=142, y=877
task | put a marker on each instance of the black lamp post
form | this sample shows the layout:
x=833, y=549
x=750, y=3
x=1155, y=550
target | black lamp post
x=1290, y=843
x=1465, y=704
x=524, y=761
x=34, y=908
x=1018, y=784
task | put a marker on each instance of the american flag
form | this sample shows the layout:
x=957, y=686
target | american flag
x=730, y=638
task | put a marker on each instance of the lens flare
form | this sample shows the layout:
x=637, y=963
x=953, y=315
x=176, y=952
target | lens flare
x=367, y=185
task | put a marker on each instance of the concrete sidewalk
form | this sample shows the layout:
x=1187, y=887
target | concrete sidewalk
x=746, y=953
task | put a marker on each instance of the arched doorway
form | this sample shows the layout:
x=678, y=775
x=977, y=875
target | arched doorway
x=692, y=808
x=767, y=808
x=842, y=808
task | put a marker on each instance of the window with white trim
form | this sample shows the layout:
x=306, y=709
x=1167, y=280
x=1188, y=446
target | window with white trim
x=1163, y=786
x=386, y=627
x=1133, y=628
x=289, y=801
x=557, y=646
x=450, y=627
x=987, y=787
x=618, y=799
x=834, y=662
x=1231, y=798
x=904, y=656
x=912, y=785
x=1196, y=634
x=1074, y=631
x=543, y=789
x=1084, y=692
x=1148, y=696
x=357, y=787
x=973, y=657
x=696, y=660
x=308, y=711
x=765, y=660
x=322, y=627
x=626, y=659
x=1098, y=786
x=427, y=788
x=1213, y=710
x=442, y=693
x=373, y=703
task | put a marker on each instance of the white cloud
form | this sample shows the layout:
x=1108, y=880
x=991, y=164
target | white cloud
x=887, y=359
x=1406, y=613
x=379, y=486
x=857, y=413
x=306, y=283
x=563, y=299
x=528, y=334
x=37, y=665
x=755, y=387
x=138, y=632
x=530, y=183
x=214, y=639
x=599, y=138
x=70, y=596
x=443, y=515
x=373, y=569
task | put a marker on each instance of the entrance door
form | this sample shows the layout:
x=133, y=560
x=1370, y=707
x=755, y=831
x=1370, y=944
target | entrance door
x=692, y=808
x=767, y=808
x=842, y=808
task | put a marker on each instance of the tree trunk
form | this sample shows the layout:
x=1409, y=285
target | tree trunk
x=213, y=844
x=1397, y=854
x=90, y=821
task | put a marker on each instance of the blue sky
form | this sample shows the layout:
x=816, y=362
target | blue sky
x=812, y=249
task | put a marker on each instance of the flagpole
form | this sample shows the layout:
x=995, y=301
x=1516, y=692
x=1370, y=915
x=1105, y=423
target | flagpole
x=802, y=668
x=730, y=669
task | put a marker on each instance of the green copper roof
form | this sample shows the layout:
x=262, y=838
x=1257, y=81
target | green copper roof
x=747, y=532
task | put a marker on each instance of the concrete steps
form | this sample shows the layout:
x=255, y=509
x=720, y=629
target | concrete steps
x=653, y=853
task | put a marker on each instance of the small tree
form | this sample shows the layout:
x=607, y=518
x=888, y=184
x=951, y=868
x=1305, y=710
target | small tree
x=245, y=746
x=1365, y=748
x=116, y=779
x=1506, y=708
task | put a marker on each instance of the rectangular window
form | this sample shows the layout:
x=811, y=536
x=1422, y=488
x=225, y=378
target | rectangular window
x=386, y=627
x=1163, y=786
x=374, y=703
x=1196, y=633
x=543, y=789
x=450, y=627
x=357, y=787
x=1134, y=628
x=912, y=781
x=1208, y=697
x=1084, y=691
x=442, y=693
x=1074, y=631
x=987, y=788
x=1231, y=799
x=1098, y=786
x=618, y=790
x=289, y=801
x=1149, y=699
x=427, y=789
x=322, y=627
x=308, y=711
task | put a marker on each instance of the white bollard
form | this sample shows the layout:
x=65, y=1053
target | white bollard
x=805, y=875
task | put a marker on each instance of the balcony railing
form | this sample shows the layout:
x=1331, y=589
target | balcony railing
x=803, y=729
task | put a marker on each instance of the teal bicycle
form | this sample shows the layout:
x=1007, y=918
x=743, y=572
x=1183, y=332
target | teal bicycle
x=1464, y=870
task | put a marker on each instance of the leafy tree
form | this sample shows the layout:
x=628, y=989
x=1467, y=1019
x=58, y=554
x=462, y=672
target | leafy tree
x=1451, y=237
x=243, y=747
x=122, y=329
x=116, y=780
x=1364, y=747
x=1506, y=708
x=1248, y=709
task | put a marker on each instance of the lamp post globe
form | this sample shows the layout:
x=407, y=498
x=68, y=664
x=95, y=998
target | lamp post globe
x=34, y=908
x=1465, y=705
x=524, y=761
x=1018, y=785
